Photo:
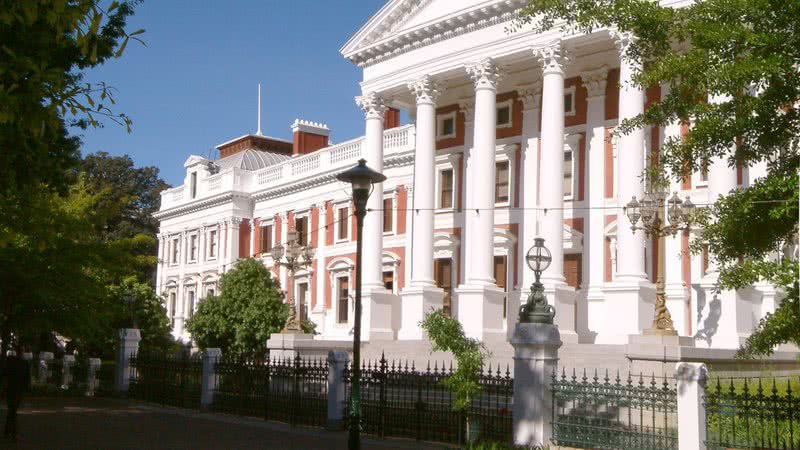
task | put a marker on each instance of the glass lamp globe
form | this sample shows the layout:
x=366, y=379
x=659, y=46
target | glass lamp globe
x=538, y=257
x=634, y=211
x=276, y=252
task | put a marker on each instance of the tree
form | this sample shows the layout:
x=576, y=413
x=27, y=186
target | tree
x=746, y=53
x=138, y=188
x=248, y=309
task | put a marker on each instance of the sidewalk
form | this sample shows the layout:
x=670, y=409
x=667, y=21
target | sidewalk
x=104, y=423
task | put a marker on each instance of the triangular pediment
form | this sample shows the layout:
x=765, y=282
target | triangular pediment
x=400, y=16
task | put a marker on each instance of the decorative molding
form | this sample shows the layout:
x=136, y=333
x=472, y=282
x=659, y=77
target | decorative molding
x=595, y=82
x=200, y=205
x=485, y=74
x=467, y=106
x=554, y=58
x=307, y=126
x=372, y=104
x=531, y=95
x=426, y=90
x=465, y=22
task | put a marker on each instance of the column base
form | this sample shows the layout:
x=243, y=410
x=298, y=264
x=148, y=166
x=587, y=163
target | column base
x=677, y=299
x=480, y=311
x=726, y=318
x=416, y=301
x=563, y=297
x=629, y=308
x=376, y=321
x=595, y=311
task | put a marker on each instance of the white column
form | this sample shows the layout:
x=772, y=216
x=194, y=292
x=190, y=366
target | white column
x=552, y=161
x=677, y=292
x=735, y=309
x=691, y=388
x=209, y=377
x=531, y=96
x=129, y=339
x=467, y=106
x=373, y=106
x=480, y=301
x=485, y=75
x=630, y=165
x=426, y=92
x=551, y=181
x=422, y=295
x=593, y=247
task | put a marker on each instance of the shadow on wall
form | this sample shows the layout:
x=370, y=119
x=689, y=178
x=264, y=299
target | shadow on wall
x=710, y=325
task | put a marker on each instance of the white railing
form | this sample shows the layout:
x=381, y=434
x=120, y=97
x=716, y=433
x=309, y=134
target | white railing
x=270, y=175
x=348, y=150
x=214, y=183
x=396, y=137
x=305, y=164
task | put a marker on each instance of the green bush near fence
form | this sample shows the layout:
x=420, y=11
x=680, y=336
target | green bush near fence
x=753, y=413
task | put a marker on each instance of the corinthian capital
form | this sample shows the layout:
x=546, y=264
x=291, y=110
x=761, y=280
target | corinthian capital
x=531, y=95
x=553, y=57
x=372, y=104
x=426, y=90
x=595, y=81
x=485, y=74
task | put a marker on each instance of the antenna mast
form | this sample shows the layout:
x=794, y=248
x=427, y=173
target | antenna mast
x=258, y=131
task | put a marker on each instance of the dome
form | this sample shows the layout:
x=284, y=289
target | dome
x=251, y=160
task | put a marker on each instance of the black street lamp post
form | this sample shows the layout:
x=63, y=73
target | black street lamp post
x=361, y=178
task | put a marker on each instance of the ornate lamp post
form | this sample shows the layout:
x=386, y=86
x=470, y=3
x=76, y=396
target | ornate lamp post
x=297, y=257
x=657, y=222
x=361, y=178
x=536, y=309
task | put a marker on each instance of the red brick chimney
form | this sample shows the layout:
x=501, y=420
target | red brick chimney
x=309, y=136
x=391, y=118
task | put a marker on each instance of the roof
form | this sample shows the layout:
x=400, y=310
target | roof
x=251, y=160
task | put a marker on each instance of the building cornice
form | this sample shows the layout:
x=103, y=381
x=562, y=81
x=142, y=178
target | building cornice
x=200, y=205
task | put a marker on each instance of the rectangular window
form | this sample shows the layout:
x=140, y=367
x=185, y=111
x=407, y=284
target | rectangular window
x=388, y=215
x=569, y=103
x=443, y=273
x=342, y=222
x=301, y=227
x=568, y=173
x=446, y=125
x=572, y=270
x=504, y=116
x=501, y=183
x=193, y=184
x=388, y=281
x=266, y=239
x=171, y=305
x=342, y=294
x=193, y=247
x=446, y=189
x=212, y=244
x=176, y=246
x=190, y=305
x=500, y=277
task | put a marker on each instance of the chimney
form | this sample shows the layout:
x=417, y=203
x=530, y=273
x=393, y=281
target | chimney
x=309, y=136
x=391, y=118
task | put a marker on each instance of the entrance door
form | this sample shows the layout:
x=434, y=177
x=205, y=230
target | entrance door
x=572, y=269
x=443, y=271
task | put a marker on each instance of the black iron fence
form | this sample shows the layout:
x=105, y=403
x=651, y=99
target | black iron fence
x=398, y=400
x=294, y=391
x=638, y=412
x=169, y=379
x=753, y=413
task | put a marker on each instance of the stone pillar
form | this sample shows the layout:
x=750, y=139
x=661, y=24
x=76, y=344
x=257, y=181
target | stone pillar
x=45, y=359
x=480, y=301
x=531, y=96
x=129, y=339
x=631, y=294
x=210, y=378
x=66, y=374
x=593, y=247
x=422, y=295
x=467, y=106
x=535, y=359
x=337, y=363
x=551, y=174
x=92, y=382
x=691, y=386
x=677, y=292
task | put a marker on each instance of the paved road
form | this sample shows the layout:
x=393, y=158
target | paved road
x=102, y=423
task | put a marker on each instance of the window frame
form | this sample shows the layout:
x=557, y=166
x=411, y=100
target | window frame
x=392, y=227
x=337, y=278
x=440, y=119
x=212, y=244
x=510, y=182
x=262, y=232
x=304, y=215
x=338, y=223
x=573, y=170
x=175, y=251
x=193, y=237
x=501, y=105
x=572, y=93
x=440, y=187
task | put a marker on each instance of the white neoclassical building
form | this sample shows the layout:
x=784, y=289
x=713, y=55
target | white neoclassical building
x=511, y=137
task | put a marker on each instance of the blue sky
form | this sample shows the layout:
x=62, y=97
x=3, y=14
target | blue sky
x=194, y=85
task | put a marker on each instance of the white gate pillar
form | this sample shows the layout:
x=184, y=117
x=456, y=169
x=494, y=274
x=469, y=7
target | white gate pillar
x=210, y=377
x=129, y=339
x=337, y=363
x=692, y=378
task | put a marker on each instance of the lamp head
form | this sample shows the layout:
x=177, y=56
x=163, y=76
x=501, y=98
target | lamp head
x=538, y=257
x=361, y=177
x=276, y=252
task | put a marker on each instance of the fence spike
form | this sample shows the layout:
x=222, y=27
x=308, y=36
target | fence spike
x=774, y=388
x=584, y=379
x=574, y=378
x=653, y=381
x=606, y=380
x=617, y=380
x=508, y=372
x=595, y=375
